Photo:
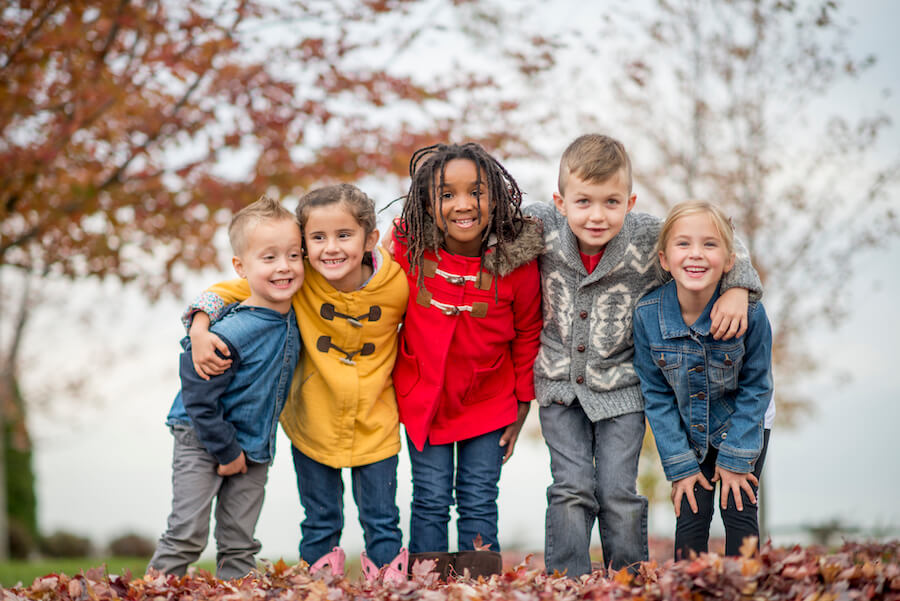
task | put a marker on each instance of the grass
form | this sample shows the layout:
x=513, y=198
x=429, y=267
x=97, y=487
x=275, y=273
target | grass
x=24, y=572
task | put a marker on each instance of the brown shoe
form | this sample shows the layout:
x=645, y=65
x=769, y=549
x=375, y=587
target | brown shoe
x=443, y=561
x=478, y=563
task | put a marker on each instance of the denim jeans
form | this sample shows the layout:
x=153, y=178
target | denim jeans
x=321, y=490
x=594, y=467
x=470, y=469
x=692, y=529
x=195, y=485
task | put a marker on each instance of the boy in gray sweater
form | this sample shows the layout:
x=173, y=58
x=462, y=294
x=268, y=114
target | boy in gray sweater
x=600, y=259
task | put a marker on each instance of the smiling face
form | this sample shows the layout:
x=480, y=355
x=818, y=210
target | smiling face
x=696, y=255
x=463, y=206
x=336, y=244
x=272, y=263
x=595, y=211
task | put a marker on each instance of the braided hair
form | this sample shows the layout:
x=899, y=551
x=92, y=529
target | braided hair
x=426, y=171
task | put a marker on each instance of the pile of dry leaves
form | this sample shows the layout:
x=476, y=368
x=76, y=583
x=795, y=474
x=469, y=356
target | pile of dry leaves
x=857, y=571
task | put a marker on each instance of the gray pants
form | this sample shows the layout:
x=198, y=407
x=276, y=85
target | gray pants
x=195, y=484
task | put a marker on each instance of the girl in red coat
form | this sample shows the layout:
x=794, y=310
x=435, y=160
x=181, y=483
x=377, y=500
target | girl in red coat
x=463, y=375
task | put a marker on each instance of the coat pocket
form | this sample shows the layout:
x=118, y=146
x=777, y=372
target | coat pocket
x=495, y=381
x=406, y=370
x=724, y=367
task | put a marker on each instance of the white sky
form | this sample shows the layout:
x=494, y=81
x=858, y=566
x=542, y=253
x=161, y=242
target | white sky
x=107, y=470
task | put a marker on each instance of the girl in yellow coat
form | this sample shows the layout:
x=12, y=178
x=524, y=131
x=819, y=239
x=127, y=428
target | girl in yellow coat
x=342, y=411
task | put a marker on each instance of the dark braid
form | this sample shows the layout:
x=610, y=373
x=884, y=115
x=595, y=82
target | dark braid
x=426, y=172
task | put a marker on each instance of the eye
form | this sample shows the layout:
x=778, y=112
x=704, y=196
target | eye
x=446, y=195
x=712, y=244
x=344, y=235
x=681, y=243
x=582, y=201
x=294, y=254
x=613, y=201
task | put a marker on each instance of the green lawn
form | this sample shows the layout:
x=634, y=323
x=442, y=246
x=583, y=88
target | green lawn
x=14, y=572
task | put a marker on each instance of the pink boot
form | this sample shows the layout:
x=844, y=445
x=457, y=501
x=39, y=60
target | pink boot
x=394, y=572
x=334, y=561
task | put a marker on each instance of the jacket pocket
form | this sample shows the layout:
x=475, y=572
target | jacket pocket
x=724, y=367
x=494, y=381
x=406, y=370
x=669, y=363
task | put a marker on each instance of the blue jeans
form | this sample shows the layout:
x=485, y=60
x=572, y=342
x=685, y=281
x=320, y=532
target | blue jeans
x=594, y=467
x=473, y=479
x=321, y=490
x=692, y=529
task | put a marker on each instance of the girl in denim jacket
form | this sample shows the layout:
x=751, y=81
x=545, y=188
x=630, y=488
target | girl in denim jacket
x=707, y=400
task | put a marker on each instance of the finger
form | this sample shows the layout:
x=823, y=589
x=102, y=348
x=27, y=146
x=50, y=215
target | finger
x=743, y=326
x=752, y=478
x=716, y=325
x=200, y=371
x=705, y=483
x=745, y=485
x=221, y=346
x=676, y=501
x=738, y=500
x=692, y=500
x=732, y=329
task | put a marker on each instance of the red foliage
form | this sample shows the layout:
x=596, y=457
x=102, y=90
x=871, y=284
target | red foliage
x=857, y=571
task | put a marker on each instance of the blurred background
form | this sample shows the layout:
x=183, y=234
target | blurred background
x=130, y=131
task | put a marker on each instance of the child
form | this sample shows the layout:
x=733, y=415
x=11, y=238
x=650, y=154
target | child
x=706, y=399
x=342, y=411
x=224, y=429
x=464, y=371
x=598, y=262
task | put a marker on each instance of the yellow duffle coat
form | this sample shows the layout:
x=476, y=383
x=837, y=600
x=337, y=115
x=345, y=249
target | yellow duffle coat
x=342, y=410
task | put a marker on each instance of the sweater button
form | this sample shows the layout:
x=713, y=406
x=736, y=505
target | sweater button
x=583, y=315
x=580, y=348
x=579, y=380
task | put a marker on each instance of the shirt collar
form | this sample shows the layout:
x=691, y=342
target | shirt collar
x=671, y=322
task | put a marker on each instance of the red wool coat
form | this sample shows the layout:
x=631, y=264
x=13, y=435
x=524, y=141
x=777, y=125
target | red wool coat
x=466, y=358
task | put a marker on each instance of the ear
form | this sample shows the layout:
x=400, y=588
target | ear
x=560, y=203
x=729, y=264
x=238, y=266
x=372, y=240
x=662, y=259
x=631, y=201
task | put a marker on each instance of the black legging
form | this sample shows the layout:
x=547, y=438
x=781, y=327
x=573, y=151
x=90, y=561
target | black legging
x=692, y=529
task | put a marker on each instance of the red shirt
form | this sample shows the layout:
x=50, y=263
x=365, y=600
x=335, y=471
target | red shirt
x=460, y=373
x=591, y=261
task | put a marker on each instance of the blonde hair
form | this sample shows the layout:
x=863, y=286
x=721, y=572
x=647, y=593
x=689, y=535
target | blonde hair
x=594, y=158
x=720, y=221
x=263, y=209
x=357, y=203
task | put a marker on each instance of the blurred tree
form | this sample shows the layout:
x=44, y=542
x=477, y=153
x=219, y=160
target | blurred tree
x=130, y=130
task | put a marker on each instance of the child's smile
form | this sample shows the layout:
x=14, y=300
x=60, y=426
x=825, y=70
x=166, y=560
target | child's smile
x=464, y=207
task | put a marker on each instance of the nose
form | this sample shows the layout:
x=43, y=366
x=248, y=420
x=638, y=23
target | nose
x=596, y=214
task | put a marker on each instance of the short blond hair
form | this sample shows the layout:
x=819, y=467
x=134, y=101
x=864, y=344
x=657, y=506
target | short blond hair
x=720, y=220
x=264, y=209
x=594, y=158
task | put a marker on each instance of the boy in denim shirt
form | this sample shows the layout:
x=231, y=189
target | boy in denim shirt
x=224, y=426
x=599, y=260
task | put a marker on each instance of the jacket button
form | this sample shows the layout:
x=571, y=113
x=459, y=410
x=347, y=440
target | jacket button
x=580, y=348
x=701, y=395
x=579, y=380
x=699, y=369
x=661, y=362
x=701, y=428
x=727, y=361
x=583, y=315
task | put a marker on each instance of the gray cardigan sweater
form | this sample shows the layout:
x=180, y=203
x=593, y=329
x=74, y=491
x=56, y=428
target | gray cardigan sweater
x=587, y=346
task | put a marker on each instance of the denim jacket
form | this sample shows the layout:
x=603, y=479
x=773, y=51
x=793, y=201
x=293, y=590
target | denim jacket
x=699, y=391
x=239, y=409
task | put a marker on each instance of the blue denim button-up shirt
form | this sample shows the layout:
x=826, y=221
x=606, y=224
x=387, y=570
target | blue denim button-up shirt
x=699, y=391
x=239, y=409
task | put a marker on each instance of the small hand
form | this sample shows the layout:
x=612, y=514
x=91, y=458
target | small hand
x=238, y=466
x=204, y=345
x=511, y=433
x=733, y=483
x=685, y=486
x=729, y=314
